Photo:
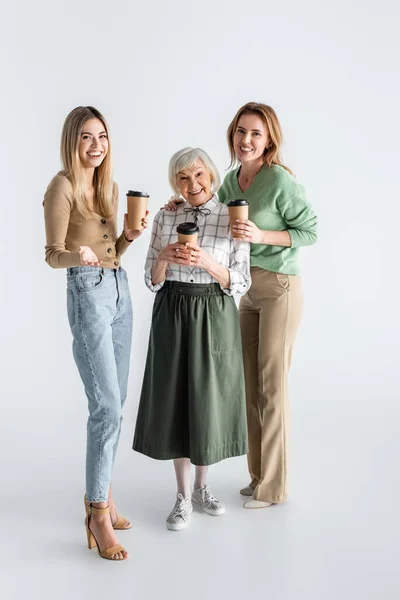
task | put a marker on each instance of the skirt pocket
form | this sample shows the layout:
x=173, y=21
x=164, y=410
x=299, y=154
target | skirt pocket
x=225, y=326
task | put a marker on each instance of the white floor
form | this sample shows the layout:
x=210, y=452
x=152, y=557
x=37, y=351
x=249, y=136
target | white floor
x=336, y=538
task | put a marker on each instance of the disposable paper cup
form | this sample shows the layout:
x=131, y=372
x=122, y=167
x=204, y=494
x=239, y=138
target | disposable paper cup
x=137, y=207
x=187, y=232
x=238, y=209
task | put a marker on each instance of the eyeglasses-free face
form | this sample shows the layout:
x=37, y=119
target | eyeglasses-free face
x=194, y=183
x=93, y=145
x=250, y=138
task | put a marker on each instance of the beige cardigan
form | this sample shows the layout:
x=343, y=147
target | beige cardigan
x=67, y=229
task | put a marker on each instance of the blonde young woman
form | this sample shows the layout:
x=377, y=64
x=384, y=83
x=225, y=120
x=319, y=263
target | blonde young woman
x=281, y=220
x=192, y=405
x=80, y=208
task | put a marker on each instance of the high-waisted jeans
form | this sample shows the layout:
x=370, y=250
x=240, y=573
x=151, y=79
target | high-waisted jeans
x=100, y=316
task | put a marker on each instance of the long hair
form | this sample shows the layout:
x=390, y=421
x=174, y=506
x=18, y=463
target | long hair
x=103, y=177
x=272, y=154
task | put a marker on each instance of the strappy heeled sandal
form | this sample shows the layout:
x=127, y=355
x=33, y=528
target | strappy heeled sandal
x=121, y=523
x=108, y=553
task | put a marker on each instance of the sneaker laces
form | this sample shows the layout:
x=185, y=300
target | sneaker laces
x=209, y=498
x=181, y=508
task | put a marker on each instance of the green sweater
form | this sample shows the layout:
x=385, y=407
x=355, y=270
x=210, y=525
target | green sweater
x=276, y=203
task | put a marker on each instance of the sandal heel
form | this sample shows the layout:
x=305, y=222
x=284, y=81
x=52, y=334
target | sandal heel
x=90, y=537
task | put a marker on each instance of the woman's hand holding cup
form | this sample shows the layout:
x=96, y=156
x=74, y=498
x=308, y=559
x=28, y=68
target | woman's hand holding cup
x=198, y=257
x=133, y=234
x=175, y=253
x=247, y=231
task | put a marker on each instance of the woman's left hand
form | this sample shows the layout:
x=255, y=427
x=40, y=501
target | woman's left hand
x=133, y=234
x=198, y=257
x=202, y=260
x=248, y=231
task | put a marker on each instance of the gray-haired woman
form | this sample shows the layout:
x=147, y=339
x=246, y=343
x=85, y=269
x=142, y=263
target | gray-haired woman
x=192, y=405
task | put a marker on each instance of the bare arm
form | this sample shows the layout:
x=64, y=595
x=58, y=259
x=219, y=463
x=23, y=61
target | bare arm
x=251, y=233
x=276, y=238
x=158, y=271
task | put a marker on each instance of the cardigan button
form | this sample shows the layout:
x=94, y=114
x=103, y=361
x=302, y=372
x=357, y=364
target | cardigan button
x=109, y=250
x=116, y=263
x=103, y=221
x=105, y=237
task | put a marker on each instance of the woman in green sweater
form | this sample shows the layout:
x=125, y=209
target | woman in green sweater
x=281, y=220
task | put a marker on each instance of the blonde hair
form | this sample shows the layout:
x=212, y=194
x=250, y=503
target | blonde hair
x=272, y=154
x=103, y=178
x=186, y=158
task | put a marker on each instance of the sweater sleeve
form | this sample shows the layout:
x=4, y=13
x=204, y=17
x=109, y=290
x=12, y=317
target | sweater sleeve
x=57, y=205
x=299, y=216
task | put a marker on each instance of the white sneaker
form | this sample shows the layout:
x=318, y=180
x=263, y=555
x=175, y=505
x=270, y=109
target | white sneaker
x=208, y=502
x=178, y=518
x=256, y=504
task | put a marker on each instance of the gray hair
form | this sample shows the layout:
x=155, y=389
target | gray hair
x=184, y=159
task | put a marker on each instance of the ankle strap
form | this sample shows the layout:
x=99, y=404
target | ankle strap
x=98, y=511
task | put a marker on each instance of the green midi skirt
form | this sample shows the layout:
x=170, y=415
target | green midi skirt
x=192, y=402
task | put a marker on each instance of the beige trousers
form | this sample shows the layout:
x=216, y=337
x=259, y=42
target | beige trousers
x=270, y=314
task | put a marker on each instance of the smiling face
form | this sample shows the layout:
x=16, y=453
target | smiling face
x=194, y=183
x=250, y=138
x=93, y=144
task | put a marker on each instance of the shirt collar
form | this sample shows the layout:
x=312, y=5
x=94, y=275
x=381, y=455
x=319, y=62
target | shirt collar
x=194, y=213
x=210, y=204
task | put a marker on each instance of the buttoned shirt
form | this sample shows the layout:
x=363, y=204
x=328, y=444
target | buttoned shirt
x=214, y=237
x=67, y=229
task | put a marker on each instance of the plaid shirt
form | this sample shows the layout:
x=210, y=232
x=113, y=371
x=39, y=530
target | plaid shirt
x=214, y=237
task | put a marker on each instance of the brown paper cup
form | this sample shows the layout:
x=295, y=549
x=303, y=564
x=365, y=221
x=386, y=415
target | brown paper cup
x=137, y=207
x=184, y=237
x=237, y=212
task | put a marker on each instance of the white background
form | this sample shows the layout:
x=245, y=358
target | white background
x=167, y=75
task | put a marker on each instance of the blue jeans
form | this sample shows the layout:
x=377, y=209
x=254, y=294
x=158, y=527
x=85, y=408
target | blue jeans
x=100, y=317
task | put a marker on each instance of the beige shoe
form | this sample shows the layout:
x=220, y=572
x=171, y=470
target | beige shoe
x=247, y=491
x=121, y=522
x=107, y=553
x=256, y=504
